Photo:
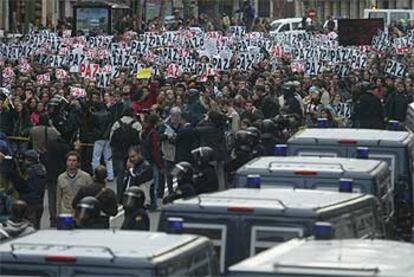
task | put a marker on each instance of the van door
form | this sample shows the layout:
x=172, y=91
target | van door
x=284, y=28
x=216, y=229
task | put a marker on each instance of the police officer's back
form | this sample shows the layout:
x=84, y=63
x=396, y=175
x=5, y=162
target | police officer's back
x=87, y=214
x=205, y=178
x=136, y=217
x=368, y=111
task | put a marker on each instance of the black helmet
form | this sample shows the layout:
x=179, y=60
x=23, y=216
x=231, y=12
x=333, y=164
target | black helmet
x=203, y=155
x=183, y=171
x=244, y=140
x=54, y=102
x=87, y=209
x=268, y=128
x=193, y=92
x=254, y=134
x=31, y=155
x=134, y=198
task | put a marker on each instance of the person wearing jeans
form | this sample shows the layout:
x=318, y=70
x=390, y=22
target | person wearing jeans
x=102, y=147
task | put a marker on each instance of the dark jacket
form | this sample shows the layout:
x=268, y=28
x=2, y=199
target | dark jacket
x=6, y=121
x=151, y=146
x=32, y=186
x=185, y=142
x=136, y=220
x=212, y=136
x=101, y=122
x=105, y=196
x=396, y=107
x=141, y=175
x=368, y=112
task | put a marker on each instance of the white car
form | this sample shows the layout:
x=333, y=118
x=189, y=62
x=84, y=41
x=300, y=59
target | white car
x=286, y=25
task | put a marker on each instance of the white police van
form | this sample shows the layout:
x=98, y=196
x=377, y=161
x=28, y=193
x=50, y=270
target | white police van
x=243, y=222
x=107, y=253
x=323, y=258
x=323, y=173
x=394, y=147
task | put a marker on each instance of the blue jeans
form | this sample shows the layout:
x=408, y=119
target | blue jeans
x=155, y=186
x=101, y=147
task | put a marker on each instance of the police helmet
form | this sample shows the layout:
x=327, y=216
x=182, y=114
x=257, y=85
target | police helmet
x=203, y=155
x=134, y=198
x=254, y=133
x=268, y=128
x=31, y=155
x=244, y=140
x=86, y=209
x=183, y=171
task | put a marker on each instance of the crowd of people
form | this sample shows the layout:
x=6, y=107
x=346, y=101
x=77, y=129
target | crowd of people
x=69, y=135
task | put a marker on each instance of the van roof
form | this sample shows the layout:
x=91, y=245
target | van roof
x=134, y=248
x=284, y=20
x=320, y=164
x=333, y=258
x=268, y=201
x=365, y=137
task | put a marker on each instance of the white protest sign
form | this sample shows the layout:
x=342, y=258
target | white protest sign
x=61, y=74
x=88, y=70
x=76, y=92
x=396, y=69
x=343, y=110
x=313, y=67
x=43, y=78
x=103, y=80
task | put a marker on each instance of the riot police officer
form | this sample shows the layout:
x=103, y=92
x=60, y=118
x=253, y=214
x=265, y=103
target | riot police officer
x=184, y=172
x=205, y=178
x=87, y=214
x=136, y=217
x=268, y=138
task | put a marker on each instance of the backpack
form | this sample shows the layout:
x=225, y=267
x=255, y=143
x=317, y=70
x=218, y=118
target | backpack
x=125, y=136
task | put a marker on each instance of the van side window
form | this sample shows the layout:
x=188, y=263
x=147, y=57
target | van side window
x=365, y=223
x=215, y=232
x=285, y=27
x=344, y=227
x=265, y=237
x=382, y=15
x=397, y=16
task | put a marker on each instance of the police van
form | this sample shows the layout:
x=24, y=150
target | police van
x=409, y=118
x=107, y=253
x=322, y=173
x=341, y=258
x=393, y=147
x=242, y=222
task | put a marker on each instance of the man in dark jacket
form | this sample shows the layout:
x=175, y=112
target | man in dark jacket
x=368, y=111
x=397, y=104
x=101, y=127
x=139, y=173
x=31, y=185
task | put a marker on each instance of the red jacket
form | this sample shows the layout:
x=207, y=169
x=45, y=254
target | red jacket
x=151, y=99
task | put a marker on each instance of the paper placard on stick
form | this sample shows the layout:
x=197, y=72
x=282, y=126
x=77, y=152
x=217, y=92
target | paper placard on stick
x=394, y=68
x=144, y=73
x=313, y=67
x=43, y=78
x=103, y=80
x=297, y=67
x=88, y=70
x=343, y=110
x=61, y=74
x=76, y=92
x=173, y=71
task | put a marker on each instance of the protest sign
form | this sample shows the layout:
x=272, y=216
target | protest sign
x=394, y=68
x=144, y=73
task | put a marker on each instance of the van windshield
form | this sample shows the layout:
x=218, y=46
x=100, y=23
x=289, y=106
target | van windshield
x=382, y=15
x=275, y=26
